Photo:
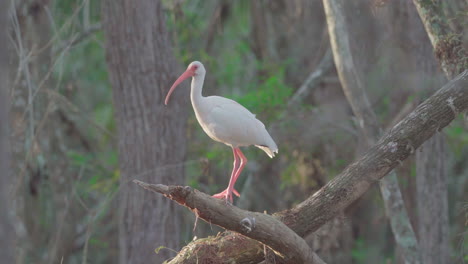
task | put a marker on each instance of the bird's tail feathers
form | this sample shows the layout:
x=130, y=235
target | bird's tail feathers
x=270, y=152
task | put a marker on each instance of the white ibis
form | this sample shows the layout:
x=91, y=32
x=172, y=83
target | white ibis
x=225, y=121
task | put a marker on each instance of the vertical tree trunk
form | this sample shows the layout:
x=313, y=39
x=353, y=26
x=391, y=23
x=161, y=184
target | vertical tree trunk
x=431, y=161
x=431, y=179
x=6, y=228
x=431, y=173
x=353, y=87
x=151, y=135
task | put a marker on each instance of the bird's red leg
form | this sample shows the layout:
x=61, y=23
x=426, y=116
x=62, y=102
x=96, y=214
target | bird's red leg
x=243, y=161
x=227, y=194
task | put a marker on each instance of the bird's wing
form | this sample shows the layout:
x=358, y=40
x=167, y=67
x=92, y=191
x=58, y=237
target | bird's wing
x=233, y=124
x=228, y=104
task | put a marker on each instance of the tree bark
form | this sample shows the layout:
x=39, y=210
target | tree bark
x=356, y=94
x=7, y=244
x=432, y=204
x=398, y=144
x=448, y=47
x=431, y=219
x=142, y=68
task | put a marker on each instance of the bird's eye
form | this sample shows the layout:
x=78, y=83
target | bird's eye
x=195, y=67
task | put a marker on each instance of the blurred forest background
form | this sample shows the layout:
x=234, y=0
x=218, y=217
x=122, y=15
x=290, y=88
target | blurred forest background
x=68, y=124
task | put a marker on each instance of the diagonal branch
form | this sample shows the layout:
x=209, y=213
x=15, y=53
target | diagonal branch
x=261, y=227
x=325, y=65
x=357, y=97
x=398, y=144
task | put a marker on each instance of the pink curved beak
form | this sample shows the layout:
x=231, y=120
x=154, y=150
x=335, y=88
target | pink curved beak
x=188, y=73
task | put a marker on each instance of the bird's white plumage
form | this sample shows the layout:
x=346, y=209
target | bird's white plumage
x=227, y=121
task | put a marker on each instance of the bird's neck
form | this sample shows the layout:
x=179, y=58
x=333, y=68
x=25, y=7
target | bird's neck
x=197, y=87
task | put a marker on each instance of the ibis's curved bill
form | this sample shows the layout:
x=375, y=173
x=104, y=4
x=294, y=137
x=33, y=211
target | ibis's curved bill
x=187, y=74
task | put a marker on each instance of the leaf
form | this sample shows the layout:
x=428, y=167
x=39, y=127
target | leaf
x=79, y=159
x=159, y=248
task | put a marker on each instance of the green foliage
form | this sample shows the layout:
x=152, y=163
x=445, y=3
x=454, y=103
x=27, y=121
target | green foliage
x=269, y=97
x=289, y=176
x=457, y=135
x=104, y=116
x=98, y=243
x=163, y=247
x=159, y=249
x=78, y=159
x=188, y=26
x=99, y=177
x=413, y=171
x=358, y=253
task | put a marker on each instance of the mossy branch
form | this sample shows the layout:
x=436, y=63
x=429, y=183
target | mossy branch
x=448, y=45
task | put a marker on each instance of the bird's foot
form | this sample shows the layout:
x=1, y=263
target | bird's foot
x=227, y=195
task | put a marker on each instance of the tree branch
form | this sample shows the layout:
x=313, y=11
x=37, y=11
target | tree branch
x=448, y=47
x=220, y=15
x=261, y=227
x=313, y=79
x=78, y=38
x=357, y=97
x=400, y=142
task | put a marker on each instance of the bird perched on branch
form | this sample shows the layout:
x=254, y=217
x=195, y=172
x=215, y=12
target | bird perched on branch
x=225, y=121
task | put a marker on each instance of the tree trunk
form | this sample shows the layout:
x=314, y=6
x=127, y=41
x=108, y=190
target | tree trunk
x=431, y=162
x=431, y=185
x=353, y=87
x=151, y=135
x=7, y=243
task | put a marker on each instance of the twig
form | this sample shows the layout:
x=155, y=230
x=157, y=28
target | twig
x=23, y=66
x=68, y=44
x=67, y=23
x=261, y=227
x=313, y=79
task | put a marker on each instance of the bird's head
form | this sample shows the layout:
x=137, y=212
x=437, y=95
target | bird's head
x=194, y=69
